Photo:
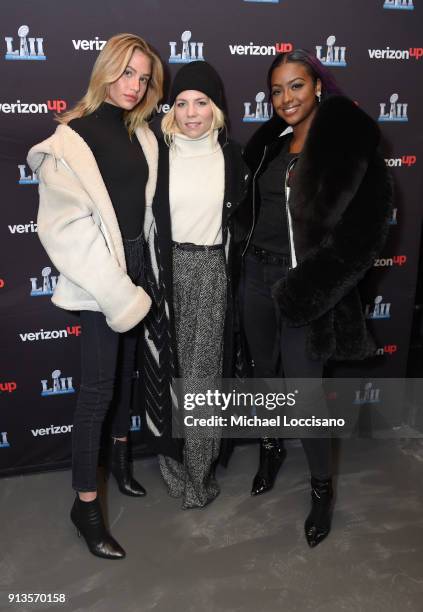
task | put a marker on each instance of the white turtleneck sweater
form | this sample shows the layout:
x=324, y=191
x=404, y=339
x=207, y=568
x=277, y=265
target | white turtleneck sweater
x=196, y=189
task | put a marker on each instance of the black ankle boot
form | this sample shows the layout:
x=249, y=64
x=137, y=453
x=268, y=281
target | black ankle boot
x=317, y=525
x=272, y=455
x=121, y=470
x=88, y=520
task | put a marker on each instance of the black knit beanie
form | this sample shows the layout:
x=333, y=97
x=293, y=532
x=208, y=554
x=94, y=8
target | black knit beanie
x=199, y=76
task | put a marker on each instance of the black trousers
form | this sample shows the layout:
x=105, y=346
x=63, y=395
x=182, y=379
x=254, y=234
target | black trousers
x=289, y=358
x=107, y=365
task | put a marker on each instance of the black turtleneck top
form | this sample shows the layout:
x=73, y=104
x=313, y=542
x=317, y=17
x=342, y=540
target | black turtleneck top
x=121, y=162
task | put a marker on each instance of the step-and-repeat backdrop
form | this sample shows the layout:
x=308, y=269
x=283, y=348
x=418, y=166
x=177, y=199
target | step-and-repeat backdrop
x=47, y=49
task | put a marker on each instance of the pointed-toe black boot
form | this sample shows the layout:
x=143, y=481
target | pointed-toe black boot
x=120, y=467
x=318, y=522
x=88, y=520
x=272, y=455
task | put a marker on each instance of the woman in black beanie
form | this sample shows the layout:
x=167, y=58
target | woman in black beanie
x=201, y=180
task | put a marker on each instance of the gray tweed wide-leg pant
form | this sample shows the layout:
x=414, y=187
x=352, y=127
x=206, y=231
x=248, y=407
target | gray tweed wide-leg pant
x=199, y=290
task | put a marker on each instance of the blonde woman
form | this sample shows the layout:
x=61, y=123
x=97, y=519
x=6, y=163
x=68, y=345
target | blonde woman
x=97, y=174
x=200, y=184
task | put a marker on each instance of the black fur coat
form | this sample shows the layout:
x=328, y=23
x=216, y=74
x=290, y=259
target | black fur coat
x=340, y=204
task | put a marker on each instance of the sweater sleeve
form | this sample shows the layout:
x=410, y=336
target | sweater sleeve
x=335, y=267
x=78, y=249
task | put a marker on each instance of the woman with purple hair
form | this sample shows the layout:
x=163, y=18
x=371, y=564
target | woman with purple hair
x=314, y=221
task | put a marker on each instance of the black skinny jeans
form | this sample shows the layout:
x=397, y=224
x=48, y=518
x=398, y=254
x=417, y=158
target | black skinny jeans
x=289, y=359
x=107, y=364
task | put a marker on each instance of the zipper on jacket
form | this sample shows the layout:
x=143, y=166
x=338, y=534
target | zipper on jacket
x=292, y=255
x=254, y=201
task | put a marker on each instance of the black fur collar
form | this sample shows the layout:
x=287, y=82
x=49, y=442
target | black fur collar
x=340, y=144
x=342, y=123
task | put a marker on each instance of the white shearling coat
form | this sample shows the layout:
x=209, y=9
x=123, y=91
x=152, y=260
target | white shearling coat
x=78, y=228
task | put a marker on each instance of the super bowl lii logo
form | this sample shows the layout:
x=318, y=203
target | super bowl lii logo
x=46, y=286
x=58, y=385
x=406, y=5
x=3, y=440
x=190, y=51
x=393, y=219
x=394, y=110
x=258, y=111
x=332, y=55
x=378, y=310
x=29, y=48
x=135, y=422
x=26, y=178
x=368, y=395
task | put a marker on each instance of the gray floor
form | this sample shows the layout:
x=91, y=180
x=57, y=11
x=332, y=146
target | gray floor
x=240, y=553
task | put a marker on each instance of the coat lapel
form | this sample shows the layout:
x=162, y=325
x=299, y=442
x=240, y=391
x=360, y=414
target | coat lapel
x=236, y=179
x=149, y=145
x=70, y=146
x=79, y=157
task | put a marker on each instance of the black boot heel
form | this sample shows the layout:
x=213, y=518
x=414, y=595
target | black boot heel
x=272, y=455
x=318, y=523
x=88, y=520
x=121, y=470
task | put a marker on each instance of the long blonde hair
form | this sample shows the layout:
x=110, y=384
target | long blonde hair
x=108, y=68
x=170, y=128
